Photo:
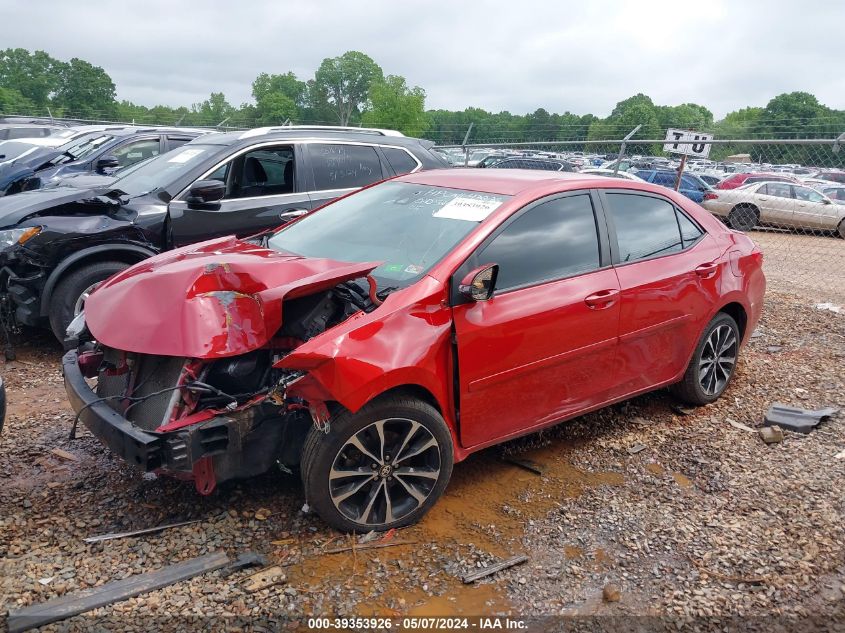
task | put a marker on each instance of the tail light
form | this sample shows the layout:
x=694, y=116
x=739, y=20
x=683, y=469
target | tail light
x=710, y=195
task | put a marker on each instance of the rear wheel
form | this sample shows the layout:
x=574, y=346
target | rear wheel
x=379, y=468
x=841, y=229
x=713, y=362
x=68, y=299
x=743, y=217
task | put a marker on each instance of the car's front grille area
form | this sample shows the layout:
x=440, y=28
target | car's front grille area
x=146, y=376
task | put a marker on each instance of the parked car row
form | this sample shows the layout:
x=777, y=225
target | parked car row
x=58, y=243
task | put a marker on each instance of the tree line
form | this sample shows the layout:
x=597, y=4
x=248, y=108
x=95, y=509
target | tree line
x=352, y=89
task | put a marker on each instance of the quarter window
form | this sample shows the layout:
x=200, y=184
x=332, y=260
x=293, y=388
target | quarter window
x=645, y=226
x=344, y=166
x=553, y=240
x=689, y=230
x=400, y=160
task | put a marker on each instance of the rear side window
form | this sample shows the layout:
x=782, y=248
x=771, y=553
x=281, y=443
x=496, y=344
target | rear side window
x=344, y=166
x=553, y=240
x=779, y=190
x=400, y=160
x=645, y=226
x=664, y=179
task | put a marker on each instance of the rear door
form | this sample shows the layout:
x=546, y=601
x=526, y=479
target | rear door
x=264, y=188
x=669, y=271
x=543, y=346
x=336, y=168
x=775, y=202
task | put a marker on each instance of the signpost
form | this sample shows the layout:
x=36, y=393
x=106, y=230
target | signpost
x=686, y=143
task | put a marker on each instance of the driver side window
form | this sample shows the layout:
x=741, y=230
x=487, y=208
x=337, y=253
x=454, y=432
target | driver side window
x=267, y=171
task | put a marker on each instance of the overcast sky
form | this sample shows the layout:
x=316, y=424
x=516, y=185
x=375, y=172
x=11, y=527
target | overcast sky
x=513, y=55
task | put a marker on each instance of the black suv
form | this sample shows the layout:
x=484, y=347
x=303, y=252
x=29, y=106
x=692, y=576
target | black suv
x=57, y=244
x=100, y=150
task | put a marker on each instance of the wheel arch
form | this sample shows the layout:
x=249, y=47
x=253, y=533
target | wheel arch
x=128, y=253
x=738, y=313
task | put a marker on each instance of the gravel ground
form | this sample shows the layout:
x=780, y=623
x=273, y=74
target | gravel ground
x=705, y=522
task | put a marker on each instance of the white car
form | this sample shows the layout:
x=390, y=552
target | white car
x=774, y=203
x=598, y=171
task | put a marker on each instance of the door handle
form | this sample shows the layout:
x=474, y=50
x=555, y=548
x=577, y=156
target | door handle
x=707, y=270
x=291, y=214
x=762, y=198
x=602, y=299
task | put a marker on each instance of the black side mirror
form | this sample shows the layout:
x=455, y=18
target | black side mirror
x=205, y=192
x=480, y=283
x=107, y=162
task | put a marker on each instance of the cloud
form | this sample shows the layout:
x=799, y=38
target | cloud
x=516, y=56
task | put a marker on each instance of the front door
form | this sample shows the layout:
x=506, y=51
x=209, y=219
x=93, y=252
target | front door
x=543, y=346
x=262, y=186
x=812, y=213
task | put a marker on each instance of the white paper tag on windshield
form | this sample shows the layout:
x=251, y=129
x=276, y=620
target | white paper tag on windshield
x=470, y=209
x=185, y=155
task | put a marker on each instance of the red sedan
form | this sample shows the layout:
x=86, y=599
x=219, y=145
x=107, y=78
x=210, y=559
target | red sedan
x=379, y=340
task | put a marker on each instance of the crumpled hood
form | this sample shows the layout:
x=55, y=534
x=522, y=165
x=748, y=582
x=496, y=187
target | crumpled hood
x=209, y=300
x=14, y=209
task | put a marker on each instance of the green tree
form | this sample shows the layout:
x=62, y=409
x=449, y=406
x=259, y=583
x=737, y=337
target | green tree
x=212, y=111
x=394, y=105
x=277, y=97
x=85, y=91
x=344, y=82
x=36, y=76
x=13, y=102
x=628, y=114
x=689, y=116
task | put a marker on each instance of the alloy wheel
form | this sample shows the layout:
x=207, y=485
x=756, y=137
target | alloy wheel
x=80, y=302
x=718, y=359
x=384, y=472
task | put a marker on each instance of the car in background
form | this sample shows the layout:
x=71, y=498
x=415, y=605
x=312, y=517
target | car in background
x=710, y=179
x=609, y=173
x=691, y=185
x=490, y=160
x=546, y=164
x=738, y=180
x=831, y=175
x=778, y=204
x=9, y=131
x=375, y=342
x=836, y=193
x=95, y=152
x=57, y=244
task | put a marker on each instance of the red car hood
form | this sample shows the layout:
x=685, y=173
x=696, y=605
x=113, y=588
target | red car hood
x=209, y=300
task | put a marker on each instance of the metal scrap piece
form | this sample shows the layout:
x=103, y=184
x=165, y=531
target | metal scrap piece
x=152, y=530
x=796, y=419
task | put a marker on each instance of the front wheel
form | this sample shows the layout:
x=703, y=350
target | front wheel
x=713, y=362
x=743, y=217
x=68, y=299
x=379, y=468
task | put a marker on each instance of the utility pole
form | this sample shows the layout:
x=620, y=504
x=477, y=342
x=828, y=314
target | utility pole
x=464, y=144
x=622, y=148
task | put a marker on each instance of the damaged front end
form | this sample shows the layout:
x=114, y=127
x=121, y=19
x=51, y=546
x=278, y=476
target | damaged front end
x=228, y=412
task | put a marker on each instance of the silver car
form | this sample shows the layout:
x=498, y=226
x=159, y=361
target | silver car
x=779, y=204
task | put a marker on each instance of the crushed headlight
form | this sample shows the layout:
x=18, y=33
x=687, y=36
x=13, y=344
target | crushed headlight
x=11, y=237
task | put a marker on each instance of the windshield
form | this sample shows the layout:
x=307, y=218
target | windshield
x=82, y=147
x=159, y=172
x=10, y=150
x=406, y=226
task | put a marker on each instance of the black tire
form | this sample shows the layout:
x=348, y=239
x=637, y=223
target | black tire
x=743, y=217
x=841, y=229
x=71, y=287
x=397, y=415
x=691, y=389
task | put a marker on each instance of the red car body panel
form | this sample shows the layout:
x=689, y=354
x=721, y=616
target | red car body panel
x=521, y=361
x=211, y=300
x=737, y=180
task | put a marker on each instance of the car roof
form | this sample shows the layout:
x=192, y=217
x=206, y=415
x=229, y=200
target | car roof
x=505, y=182
x=369, y=136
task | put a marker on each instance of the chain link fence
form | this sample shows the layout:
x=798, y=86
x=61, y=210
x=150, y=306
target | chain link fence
x=788, y=194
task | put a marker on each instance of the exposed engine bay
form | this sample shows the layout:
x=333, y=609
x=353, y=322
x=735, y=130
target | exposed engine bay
x=217, y=419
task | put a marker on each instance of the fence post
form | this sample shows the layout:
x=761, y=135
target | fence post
x=622, y=148
x=464, y=144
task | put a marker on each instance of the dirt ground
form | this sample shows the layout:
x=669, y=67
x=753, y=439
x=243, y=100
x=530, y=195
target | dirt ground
x=681, y=512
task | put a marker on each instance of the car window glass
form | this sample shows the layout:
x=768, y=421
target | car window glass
x=645, y=226
x=137, y=151
x=400, y=160
x=779, y=189
x=174, y=141
x=553, y=240
x=220, y=173
x=268, y=171
x=807, y=194
x=662, y=178
x=344, y=166
x=689, y=230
